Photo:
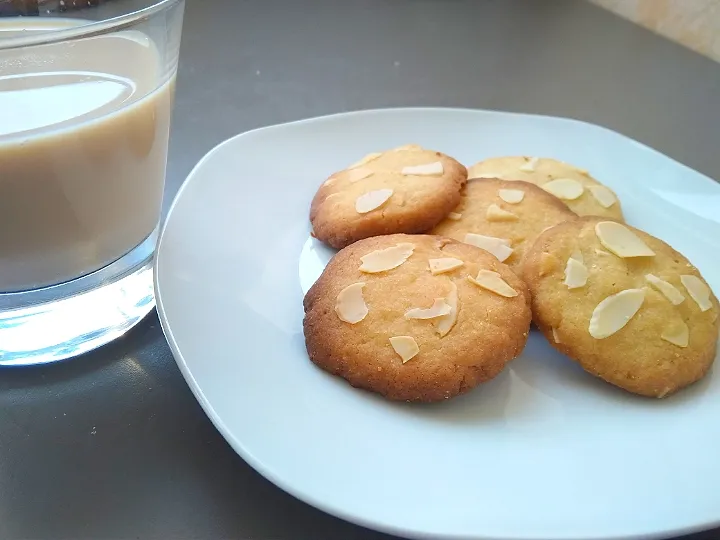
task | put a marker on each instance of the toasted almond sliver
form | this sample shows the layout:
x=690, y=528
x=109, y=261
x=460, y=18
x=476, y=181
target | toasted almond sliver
x=444, y=324
x=355, y=175
x=577, y=255
x=697, y=290
x=555, y=335
x=564, y=188
x=486, y=176
x=621, y=241
x=495, y=213
x=530, y=165
x=367, y=202
x=613, y=313
x=350, y=305
x=405, y=346
x=677, y=333
x=454, y=216
x=386, y=259
x=427, y=169
x=667, y=289
x=438, y=309
x=444, y=264
x=603, y=195
x=511, y=196
x=576, y=274
x=367, y=159
x=500, y=247
x=492, y=281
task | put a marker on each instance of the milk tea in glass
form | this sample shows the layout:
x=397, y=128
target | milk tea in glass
x=85, y=106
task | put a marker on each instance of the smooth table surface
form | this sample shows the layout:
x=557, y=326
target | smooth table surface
x=113, y=444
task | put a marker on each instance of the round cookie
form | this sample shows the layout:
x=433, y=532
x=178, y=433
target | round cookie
x=507, y=210
x=365, y=327
x=625, y=305
x=589, y=198
x=406, y=190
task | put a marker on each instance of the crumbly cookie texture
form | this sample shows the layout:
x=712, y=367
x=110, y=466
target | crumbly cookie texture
x=406, y=190
x=504, y=217
x=639, y=315
x=583, y=194
x=448, y=317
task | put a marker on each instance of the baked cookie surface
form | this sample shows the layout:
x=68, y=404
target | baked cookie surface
x=401, y=316
x=516, y=212
x=405, y=190
x=574, y=186
x=624, y=304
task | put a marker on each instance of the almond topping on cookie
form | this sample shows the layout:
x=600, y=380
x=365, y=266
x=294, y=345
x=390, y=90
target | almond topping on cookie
x=454, y=216
x=564, y=188
x=444, y=264
x=677, y=333
x=355, y=175
x=371, y=200
x=427, y=169
x=613, y=313
x=603, y=195
x=500, y=247
x=697, y=290
x=364, y=161
x=577, y=255
x=350, y=305
x=495, y=213
x=555, y=335
x=381, y=260
x=530, y=165
x=410, y=147
x=599, y=251
x=438, y=309
x=667, y=289
x=405, y=346
x=576, y=274
x=621, y=241
x=330, y=181
x=487, y=176
x=444, y=324
x=487, y=279
x=511, y=196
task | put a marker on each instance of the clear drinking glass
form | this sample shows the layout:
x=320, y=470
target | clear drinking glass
x=86, y=93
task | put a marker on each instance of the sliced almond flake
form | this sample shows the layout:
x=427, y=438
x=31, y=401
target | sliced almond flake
x=330, y=181
x=444, y=324
x=697, y=290
x=382, y=260
x=500, y=247
x=410, y=147
x=371, y=200
x=492, y=281
x=355, y=175
x=495, y=213
x=621, y=241
x=427, y=169
x=603, y=195
x=438, y=309
x=454, y=216
x=613, y=313
x=667, y=289
x=405, y=346
x=530, y=165
x=577, y=255
x=576, y=274
x=364, y=161
x=677, y=333
x=487, y=176
x=511, y=196
x=350, y=305
x=444, y=264
x=555, y=335
x=564, y=188
x=599, y=251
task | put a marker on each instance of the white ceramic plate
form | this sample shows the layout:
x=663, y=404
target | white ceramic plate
x=544, y=451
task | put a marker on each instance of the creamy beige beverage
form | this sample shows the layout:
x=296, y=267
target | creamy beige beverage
x=83, y=144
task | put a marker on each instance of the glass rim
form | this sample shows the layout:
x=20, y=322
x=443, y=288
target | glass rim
x=91, y=29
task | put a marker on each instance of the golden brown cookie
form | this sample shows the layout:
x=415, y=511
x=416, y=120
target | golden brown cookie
x=416, y=318
x=581, y=192
x=625, y=305
x=406, y=190
x=494, y=212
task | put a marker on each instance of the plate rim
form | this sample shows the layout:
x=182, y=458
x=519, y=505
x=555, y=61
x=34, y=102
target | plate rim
x=267, y=472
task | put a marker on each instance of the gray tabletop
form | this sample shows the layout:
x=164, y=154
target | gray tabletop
x=113, y=444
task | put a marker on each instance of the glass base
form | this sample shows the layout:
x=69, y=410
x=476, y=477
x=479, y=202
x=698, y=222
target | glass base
x=55, y=323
